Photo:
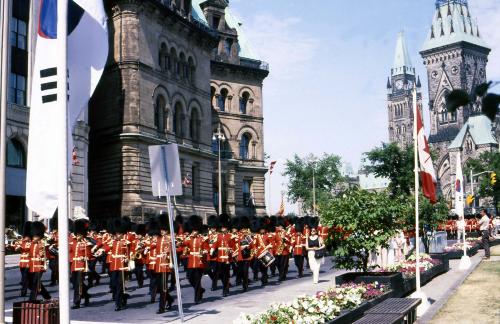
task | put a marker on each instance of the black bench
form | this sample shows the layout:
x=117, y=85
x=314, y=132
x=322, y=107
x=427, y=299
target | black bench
x=392, y=311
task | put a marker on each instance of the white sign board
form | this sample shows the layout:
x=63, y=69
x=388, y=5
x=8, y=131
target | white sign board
x=165, y=170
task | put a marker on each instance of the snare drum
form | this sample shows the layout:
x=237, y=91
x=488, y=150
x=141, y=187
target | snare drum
x=266, y=258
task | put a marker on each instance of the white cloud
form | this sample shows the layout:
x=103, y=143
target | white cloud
x=281, y=43
x=487, y=13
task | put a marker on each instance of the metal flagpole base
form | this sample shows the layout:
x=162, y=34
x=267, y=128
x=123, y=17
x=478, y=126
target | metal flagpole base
x=424, y=306
x=464, y=262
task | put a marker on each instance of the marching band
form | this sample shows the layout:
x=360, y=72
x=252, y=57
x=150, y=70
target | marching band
x=124, y=249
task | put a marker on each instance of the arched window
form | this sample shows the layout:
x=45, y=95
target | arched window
x=194, y=127
x=244, y=145
x=403, y=129
x=16, y=157
x=181, y=65
x=163, y=57
x=159, y=117
x=178, y=120
x=191, y=69
x=243, y=102
x=212, y=95
x=172, y=60
x=222, y=100
x=443, y=115
x=228, y=44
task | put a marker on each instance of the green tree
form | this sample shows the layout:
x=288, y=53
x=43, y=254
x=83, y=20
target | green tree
x=487, y=161
x=300, y=174
x=396, y=164
x=367, y=220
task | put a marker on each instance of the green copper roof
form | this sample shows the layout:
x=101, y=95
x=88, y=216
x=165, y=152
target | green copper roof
x=245, y=49
x=480, y=129
x=197, y=12
x=402, y=60
x=452, y=24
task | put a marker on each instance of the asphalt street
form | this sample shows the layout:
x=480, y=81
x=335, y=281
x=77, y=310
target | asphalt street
x=214, y=309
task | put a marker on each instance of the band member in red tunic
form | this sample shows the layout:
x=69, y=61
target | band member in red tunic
x=119, y=257
x=262, y=244
x=298, y=241
x=244, y=246
x=22, y=246
x=224, y=248
x=150, y=252
x=80, y=251
x=213, y=271
x=281, y=249
x=38, y=261
x=137, y=253
x=164, y=264
x=197, y=247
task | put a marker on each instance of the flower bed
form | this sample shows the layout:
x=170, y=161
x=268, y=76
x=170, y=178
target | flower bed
x=408, y=267
x=456, y=251
x=332, y=306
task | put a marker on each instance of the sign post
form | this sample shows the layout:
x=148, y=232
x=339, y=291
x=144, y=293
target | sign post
x=166, y=181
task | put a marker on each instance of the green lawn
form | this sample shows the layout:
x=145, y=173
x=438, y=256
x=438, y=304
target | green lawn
x=477, y=300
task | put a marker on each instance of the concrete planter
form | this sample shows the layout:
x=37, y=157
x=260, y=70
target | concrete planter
x=352, y=315
x=392, y=279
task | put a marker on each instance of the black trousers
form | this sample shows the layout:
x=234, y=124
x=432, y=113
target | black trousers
x=162, y=287
x=486, y=242
x=282, y=265
x=263, y=273
x=213, y=273
x=273, y=268
x=299, y=263
x=153, y=286
x=194, y=276
x=80, y=289
x=224, y=275
x=37, y=286
x=243, y=267
x=25, y=283
x=139, y=274
x=93, y=275
x=118, y=286
x=255, y=268
x=54, y=274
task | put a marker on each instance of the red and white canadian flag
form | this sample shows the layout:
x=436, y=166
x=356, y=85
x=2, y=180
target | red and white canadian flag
x=271, y=167
x=427, y=172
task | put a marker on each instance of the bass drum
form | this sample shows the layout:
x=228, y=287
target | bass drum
x=266, y=258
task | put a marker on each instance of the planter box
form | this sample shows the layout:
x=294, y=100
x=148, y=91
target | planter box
x=352, y=315
x=392, y=279
x=410, y=284
x=443, y=257
x=457, y=254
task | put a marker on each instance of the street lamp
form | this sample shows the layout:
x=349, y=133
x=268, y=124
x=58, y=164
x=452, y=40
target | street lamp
x=313, y=162
x=219, y=137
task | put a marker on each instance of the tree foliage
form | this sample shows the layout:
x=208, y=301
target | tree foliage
x=366, y=220
x=300, y=174
x=396, y=164
x=487, y=161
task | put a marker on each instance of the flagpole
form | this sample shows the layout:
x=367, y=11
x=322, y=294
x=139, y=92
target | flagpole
x=270, y=193
x=62, y=220
x=418, y=292
x=3, y=143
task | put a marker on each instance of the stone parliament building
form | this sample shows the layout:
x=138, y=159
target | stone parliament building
x=455, y=57
x=177, y=70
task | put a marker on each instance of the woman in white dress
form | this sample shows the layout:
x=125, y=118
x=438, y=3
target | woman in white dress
x=313, y=243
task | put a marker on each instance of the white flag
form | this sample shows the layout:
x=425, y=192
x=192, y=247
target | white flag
x=459, y=188
x=87, y=54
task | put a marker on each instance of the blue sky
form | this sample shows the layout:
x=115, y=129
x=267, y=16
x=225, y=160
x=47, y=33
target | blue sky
x=329, y=62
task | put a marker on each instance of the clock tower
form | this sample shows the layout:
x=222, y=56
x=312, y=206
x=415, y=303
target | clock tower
x=400, y=95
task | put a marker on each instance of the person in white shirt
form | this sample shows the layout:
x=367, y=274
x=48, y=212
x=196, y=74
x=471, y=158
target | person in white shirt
x=484, y=227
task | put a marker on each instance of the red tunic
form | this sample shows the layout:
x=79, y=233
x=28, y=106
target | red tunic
x=261, y=244
x=281, y=243
x=197, y=248
x=225, y=247
x=163, y=254
x=212, y=240
x=239, y=247
x=151, y=255
x=24, y=248
x=79, y=254
x=119, y=255
x=298, y=241
x=38, y=257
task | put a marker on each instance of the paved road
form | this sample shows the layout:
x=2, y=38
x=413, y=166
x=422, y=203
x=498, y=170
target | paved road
x=214, y=309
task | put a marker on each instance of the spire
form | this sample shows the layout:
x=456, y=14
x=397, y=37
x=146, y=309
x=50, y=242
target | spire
x=452, y=24
x=402, y=61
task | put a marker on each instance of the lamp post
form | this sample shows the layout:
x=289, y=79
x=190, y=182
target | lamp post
x=314, y=186
x=219, y=136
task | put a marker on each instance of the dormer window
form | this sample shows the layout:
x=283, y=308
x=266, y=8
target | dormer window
x=228, y=44
x=215, y=22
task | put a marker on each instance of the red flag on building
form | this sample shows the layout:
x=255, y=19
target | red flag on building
x=427, y=172
x=271, y=167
